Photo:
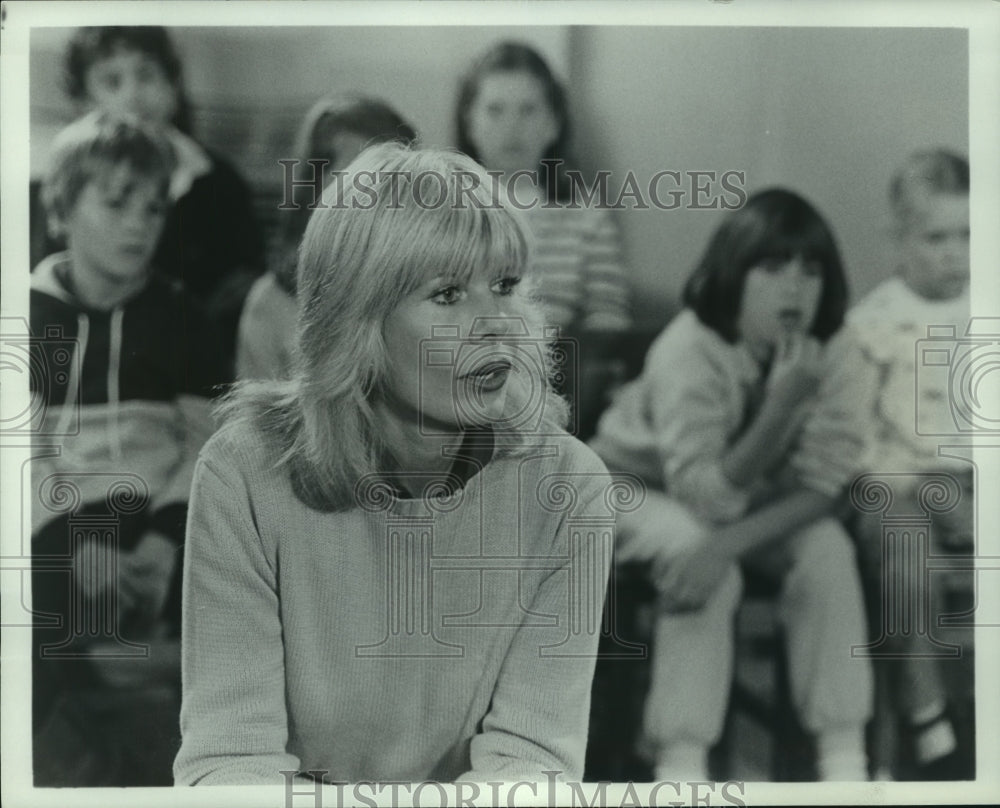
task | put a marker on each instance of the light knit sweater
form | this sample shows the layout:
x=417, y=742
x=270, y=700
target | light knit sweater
x=406, y=639
x=673, y=424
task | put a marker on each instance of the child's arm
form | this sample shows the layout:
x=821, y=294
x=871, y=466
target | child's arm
x=793, y=378
x=690, y=579
x=695, y=408
x=828, y=454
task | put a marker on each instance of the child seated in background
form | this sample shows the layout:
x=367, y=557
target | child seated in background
x=929, y=196
x=130, y=409
x=744, y=425
x=331, y=135
x=512, y=117
x=211, y=240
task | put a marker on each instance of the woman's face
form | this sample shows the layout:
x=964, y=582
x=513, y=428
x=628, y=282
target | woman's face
x=133, y=83
x=510, y=121
x=449, y=365
x=780, y=298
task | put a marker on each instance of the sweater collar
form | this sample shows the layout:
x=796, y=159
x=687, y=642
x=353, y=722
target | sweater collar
x=468, y=459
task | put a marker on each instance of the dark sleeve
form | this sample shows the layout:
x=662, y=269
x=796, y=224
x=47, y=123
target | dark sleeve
x=241, y=239
x=197, y=373
x=212, y=234
x=204, y=362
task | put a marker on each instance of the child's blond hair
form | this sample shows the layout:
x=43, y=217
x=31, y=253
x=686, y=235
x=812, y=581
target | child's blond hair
x=92, y=146
x=923, y=174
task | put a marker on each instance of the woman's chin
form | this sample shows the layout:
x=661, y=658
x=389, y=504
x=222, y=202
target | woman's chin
x=485, y=409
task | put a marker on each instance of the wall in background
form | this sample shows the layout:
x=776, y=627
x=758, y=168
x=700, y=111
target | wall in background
x=828, y=112
x=250, y=87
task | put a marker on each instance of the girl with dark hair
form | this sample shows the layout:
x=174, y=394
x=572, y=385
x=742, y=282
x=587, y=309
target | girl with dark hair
x=511, y=116
x=211, y=241
x=747, y=423
x=333, y=132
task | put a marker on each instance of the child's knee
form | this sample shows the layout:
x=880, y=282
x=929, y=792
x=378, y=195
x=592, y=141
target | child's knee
x=824, y=552
x=660, y=529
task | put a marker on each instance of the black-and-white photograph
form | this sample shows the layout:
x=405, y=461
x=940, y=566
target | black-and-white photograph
x=494, y=404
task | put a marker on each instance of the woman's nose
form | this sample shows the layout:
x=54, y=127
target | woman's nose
x=495, y=326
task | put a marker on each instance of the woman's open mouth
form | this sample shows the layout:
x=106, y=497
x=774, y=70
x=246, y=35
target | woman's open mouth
x=490, y=376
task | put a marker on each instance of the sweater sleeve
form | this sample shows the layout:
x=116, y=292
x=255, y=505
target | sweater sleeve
x=606, y=305
x=689, y=393
x=540, y=709
x=831, y=448
x=233, y=716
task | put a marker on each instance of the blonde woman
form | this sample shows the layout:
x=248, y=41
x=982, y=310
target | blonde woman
x=384, y=577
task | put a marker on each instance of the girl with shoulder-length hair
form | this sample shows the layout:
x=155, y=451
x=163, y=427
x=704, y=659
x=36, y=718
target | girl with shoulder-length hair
x=418, y=431
x=332, y=133
x=517, y=59
x=748, y=423
x=511, y=115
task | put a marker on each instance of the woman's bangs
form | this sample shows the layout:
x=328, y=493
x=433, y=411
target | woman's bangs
x=462, y=242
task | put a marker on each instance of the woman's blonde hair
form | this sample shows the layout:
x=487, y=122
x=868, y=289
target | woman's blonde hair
x=400, y=217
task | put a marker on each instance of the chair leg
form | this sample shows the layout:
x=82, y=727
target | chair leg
x=884, y=740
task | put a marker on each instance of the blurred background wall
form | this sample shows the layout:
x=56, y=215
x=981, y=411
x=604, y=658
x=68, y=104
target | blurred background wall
x=827, y=111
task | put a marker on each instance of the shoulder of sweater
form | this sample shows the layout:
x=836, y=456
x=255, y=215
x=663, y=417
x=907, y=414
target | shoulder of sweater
x=688, y=343
x=888, y=301
x=555, y=461
x=847, y=345
x=577, y=457
x=239, y=449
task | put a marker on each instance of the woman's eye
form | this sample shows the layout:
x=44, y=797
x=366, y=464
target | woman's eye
x=506, y=286
x=448, y=295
